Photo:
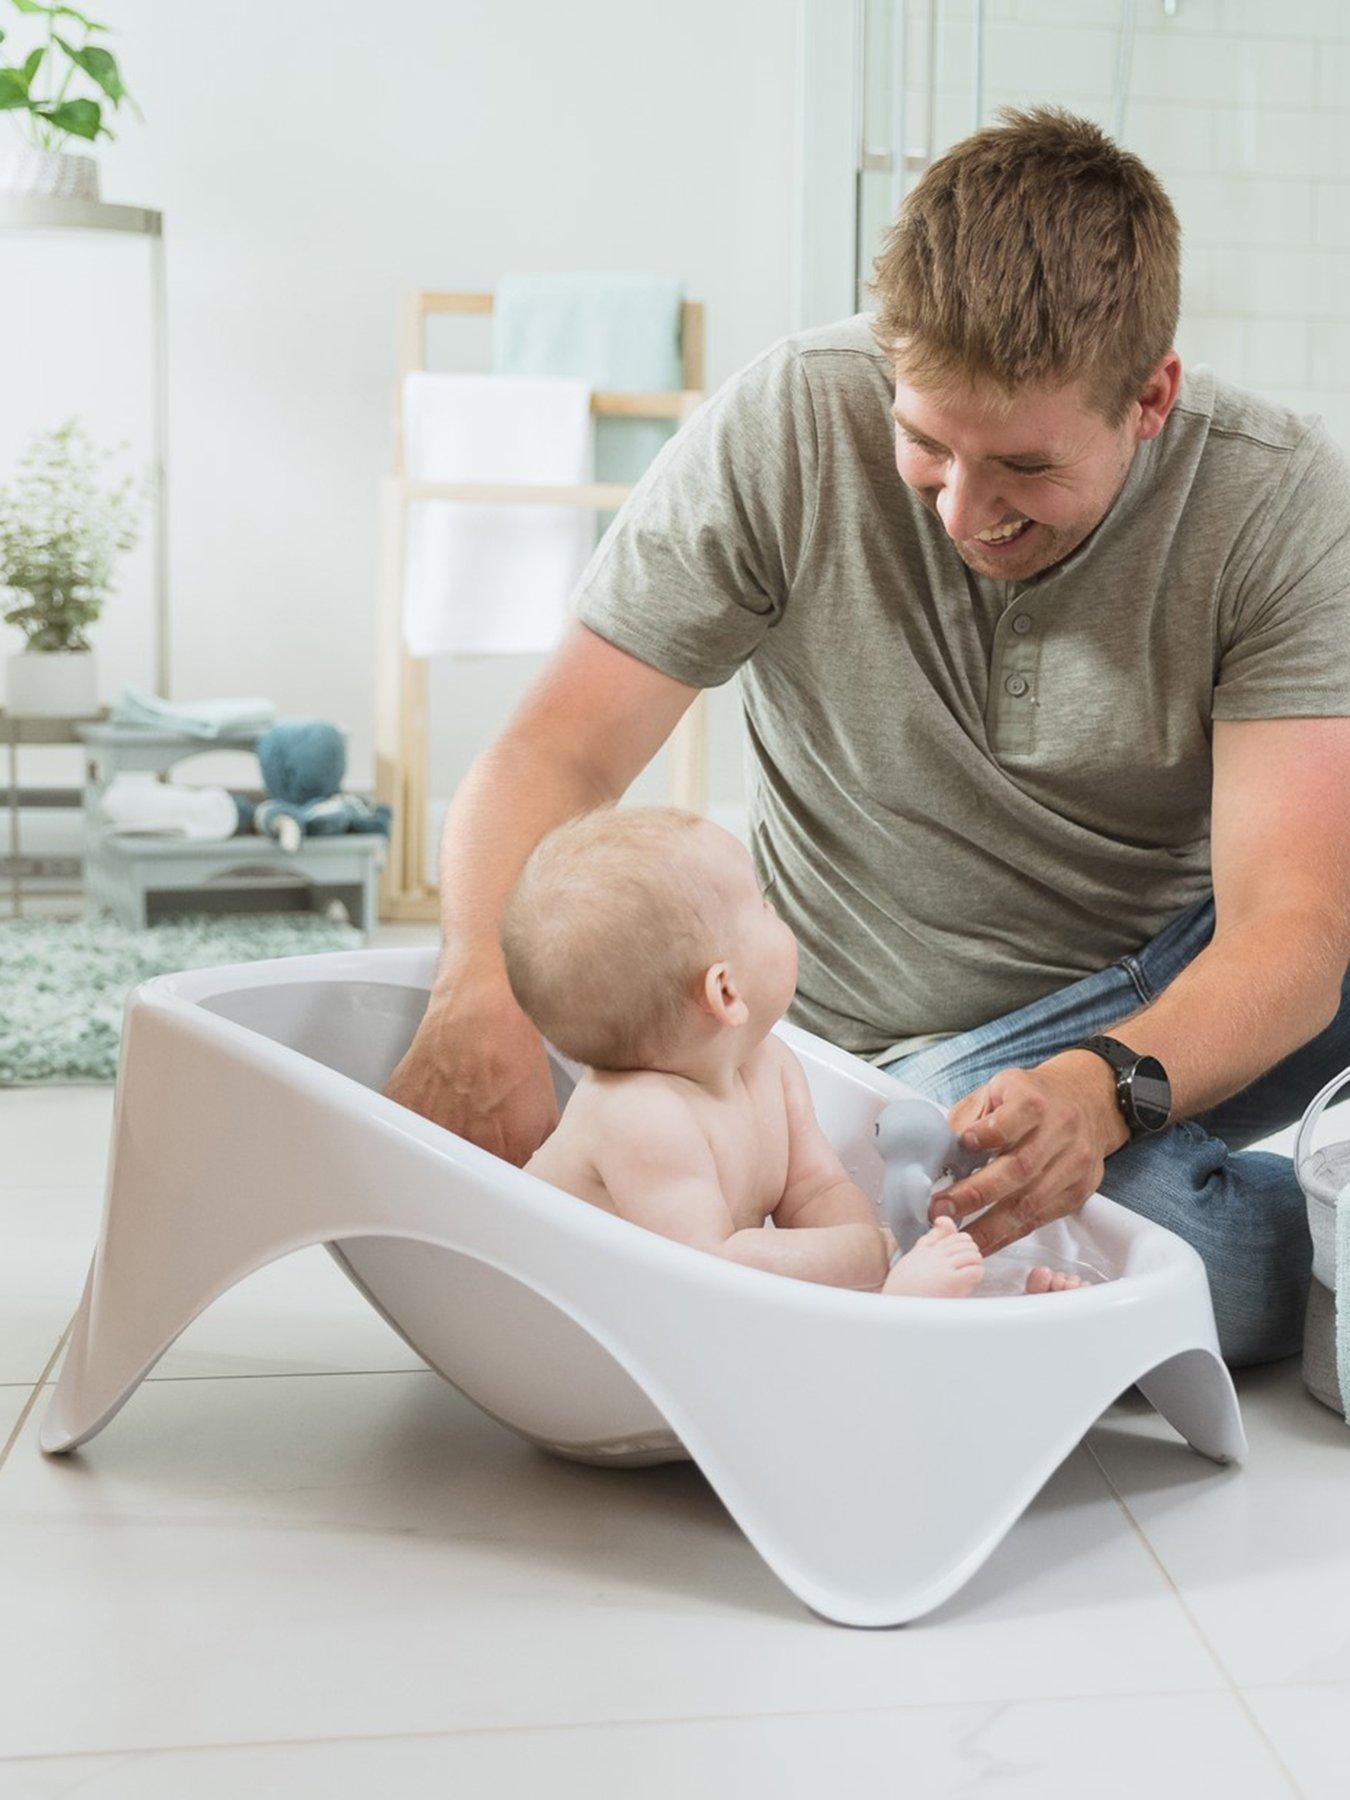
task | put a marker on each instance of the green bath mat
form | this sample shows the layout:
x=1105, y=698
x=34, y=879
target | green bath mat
x=63, y=981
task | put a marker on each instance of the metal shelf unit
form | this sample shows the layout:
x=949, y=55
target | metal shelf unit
x=34, y=213
x=27, y=213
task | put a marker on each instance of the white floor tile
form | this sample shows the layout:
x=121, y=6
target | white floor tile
x=299, y=1316
x=1037, y=1750
x=367, y=1555
x=54, y=1135
x=1262, y=1555
x=12, y=1402
x=46, y=1236
x=1307, y=1726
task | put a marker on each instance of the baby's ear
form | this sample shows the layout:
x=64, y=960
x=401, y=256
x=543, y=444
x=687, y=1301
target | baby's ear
x=721, y=997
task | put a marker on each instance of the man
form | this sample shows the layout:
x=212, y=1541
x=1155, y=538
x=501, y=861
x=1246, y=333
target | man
x=1045, y=659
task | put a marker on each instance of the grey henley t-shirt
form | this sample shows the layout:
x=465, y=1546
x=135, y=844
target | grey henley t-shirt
x=966, y=793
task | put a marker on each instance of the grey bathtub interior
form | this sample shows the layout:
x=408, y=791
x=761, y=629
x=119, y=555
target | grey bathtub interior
x=493, y=1338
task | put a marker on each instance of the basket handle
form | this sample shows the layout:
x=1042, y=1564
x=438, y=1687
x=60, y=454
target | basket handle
x=1316, y=1107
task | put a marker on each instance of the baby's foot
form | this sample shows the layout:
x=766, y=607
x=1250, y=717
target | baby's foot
x=1050, y=1281
x=945, y=1264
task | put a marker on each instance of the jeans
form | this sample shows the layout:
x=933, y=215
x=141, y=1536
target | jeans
x=1241, y=1209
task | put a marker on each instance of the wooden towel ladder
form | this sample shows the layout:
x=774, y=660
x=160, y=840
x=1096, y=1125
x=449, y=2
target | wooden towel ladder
x=401, y=679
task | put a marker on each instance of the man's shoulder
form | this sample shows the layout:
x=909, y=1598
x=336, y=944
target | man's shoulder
x=850, y=337
x=844, y=360
x=845, y=354
x=1243, y=458
x=1235, y=423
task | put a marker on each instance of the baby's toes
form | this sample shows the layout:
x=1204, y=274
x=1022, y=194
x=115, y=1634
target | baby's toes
x=1052, y=1281
x=1064, y=1283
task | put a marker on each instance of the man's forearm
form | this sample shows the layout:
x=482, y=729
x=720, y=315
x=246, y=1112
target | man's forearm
x=511, y=797
x=1254, y=994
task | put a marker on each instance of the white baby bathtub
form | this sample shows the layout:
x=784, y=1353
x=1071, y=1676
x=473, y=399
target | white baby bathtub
x=874, y=1450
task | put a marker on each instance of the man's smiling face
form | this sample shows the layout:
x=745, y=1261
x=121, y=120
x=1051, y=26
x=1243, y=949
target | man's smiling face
x=1017, y=488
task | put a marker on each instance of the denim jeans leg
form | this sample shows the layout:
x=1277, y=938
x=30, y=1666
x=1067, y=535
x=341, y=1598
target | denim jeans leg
x=950, y=1069
x=1241, y=1209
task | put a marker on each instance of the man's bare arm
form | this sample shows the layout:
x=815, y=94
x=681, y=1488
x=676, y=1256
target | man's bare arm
x=592, y=720
x=1270, y=977
x=1268, y=981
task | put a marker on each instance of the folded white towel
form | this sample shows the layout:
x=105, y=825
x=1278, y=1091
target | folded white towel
x=494, y=578
x=148, y=808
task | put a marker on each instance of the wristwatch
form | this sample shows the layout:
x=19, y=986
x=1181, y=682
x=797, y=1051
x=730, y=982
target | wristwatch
x=1143, y=1092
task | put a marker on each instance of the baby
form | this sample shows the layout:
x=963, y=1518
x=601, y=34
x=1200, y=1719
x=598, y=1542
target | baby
x=639, y=944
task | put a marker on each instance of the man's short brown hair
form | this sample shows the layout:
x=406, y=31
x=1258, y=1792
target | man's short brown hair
x=1038, y=252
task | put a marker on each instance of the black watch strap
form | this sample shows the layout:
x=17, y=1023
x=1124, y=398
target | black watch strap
x=1143, y=1092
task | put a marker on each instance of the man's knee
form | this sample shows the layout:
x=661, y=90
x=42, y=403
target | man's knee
x=1247, y=1218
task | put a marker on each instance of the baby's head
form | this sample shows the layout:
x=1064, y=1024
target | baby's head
x=634, y=936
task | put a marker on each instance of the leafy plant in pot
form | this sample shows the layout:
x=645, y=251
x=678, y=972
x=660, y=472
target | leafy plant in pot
x=38, y=92
x=62, y=528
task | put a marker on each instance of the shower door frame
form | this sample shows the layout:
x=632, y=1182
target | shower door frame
x=833, y=156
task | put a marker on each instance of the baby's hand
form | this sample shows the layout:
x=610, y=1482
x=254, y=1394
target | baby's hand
x=944, y=1264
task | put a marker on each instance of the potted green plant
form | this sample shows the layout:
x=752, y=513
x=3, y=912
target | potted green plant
x=63, y=525
x=38, y=92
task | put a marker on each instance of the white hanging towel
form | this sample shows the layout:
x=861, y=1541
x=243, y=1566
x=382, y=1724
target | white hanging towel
x=483, y=579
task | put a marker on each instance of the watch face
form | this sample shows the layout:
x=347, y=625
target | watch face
x=1150, y=1094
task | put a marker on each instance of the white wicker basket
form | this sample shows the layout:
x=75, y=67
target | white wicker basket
x=52, y=173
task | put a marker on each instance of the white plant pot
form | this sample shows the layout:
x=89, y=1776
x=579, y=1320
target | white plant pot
x=53, y=173
x=52, y=684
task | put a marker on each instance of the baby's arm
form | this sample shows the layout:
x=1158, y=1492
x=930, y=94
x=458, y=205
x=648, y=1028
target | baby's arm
x=818, y=1190
x=659, y=1172
x=944, y=1263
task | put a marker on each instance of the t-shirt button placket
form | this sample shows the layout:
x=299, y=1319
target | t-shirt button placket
x=1016, y=665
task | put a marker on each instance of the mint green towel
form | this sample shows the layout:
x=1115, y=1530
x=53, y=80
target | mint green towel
x=620, y=332
x=204, y=719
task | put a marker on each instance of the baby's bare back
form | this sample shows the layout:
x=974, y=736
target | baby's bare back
x=746, y=1132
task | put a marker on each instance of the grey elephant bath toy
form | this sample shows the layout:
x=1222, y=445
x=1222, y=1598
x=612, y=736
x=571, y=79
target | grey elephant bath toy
x=918, y=1149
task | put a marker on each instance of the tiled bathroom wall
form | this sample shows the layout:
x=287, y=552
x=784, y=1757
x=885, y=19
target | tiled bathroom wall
x=1241, y=106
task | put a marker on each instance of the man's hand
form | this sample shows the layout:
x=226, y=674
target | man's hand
x=1051, y=1129
x=478, y=1066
